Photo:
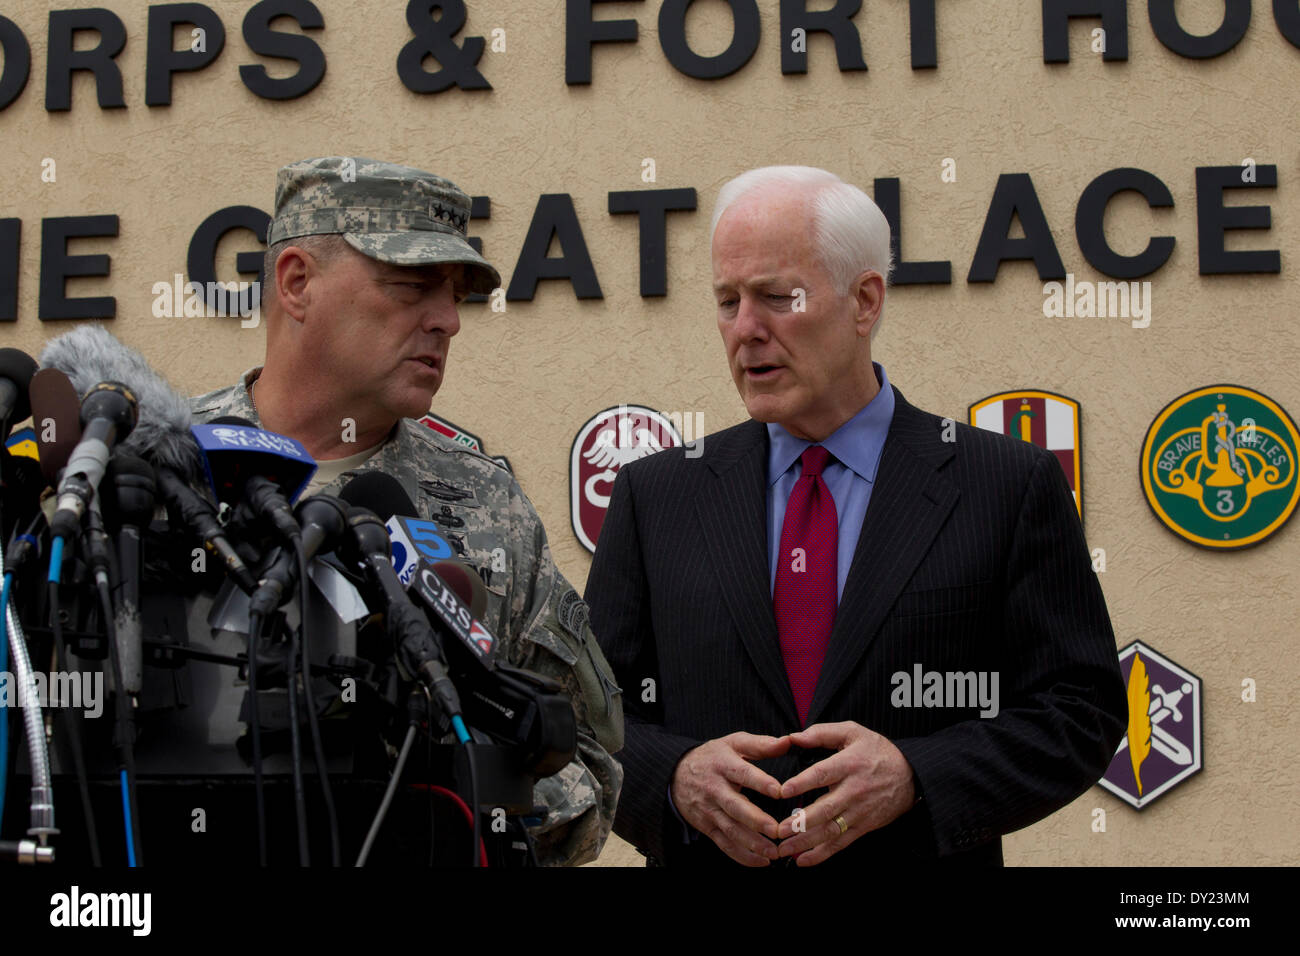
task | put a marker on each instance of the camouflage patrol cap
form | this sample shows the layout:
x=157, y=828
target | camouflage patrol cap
x=396, y=214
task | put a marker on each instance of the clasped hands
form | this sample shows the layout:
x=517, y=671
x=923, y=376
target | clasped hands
x=868, y=781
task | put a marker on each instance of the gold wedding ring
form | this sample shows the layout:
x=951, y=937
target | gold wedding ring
x=844, y=827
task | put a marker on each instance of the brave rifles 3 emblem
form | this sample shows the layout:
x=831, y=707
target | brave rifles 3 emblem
x=1044, y=419
x=1219, y=466
x=607, y=442
x=1162, y=746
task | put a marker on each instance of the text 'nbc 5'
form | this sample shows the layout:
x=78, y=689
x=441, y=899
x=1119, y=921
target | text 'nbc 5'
x=414, y=540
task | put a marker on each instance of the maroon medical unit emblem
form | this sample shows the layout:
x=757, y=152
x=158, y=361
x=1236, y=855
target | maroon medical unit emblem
x=607, y=442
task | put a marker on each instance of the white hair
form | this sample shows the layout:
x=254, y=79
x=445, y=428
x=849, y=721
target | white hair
x=850, y=232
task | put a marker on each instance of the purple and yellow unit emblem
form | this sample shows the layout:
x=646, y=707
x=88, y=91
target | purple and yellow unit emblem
x=1162, y=745
x=1044, y=419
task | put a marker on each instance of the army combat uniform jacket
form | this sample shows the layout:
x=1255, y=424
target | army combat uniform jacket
x=539, y=619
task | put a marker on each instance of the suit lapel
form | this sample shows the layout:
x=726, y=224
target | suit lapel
x=910, y=502
x=732, y=510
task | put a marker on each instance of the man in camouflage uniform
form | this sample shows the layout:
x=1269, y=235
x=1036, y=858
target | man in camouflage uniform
x=365, y=266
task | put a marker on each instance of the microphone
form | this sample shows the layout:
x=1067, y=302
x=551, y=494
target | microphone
x=324, y=521
x=411, y=539
x=22, y=480
x=89, y=354
x=21, y=485
x=415, y=540
x=246, y=464
x=18, y=478
x=469, y=587
x=129, y=508
x=383, y=496
x=447, y=589
x=378, y=493
x=57, y=404
x=56, y=420
x=519, y=707
x=418, y=649
x=16, y=371
x=513, y=705
x=109, y=412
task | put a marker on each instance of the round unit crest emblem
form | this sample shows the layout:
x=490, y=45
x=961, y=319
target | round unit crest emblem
x=1219, y=466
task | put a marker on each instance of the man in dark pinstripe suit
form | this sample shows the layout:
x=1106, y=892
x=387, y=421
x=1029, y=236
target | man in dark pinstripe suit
x=802, y=613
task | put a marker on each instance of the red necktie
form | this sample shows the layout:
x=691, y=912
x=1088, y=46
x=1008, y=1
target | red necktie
x=805, y=597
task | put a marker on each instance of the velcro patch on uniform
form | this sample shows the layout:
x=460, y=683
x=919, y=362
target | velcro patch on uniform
x=573, y=613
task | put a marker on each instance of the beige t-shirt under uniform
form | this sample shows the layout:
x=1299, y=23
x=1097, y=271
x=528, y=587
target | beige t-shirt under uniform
x=327, y=471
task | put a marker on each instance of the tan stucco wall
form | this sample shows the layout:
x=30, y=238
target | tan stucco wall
x=526, y=380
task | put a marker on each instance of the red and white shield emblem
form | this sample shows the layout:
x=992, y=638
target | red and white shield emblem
x=1045, y=419
x=605, y=444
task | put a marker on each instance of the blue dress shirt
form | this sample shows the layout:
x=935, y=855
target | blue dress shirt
x=856, y=445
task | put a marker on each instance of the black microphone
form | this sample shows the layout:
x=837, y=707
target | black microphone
x=21, y=486
x=324, y=521
x=384, y=496
x=128, y=509
x=519, y=707
x=256, y=471
x=89, y=354
x=251, y=466
x=417, y=646
x=109, y=412
x=418, y=649
x=16, y=371
x=375, y=491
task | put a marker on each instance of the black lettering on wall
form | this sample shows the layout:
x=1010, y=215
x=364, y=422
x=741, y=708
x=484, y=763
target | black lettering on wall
x=1213, y=219
x=1286, y=14
x=887, y=197
x=581, y=31
x=11, y=231
x=434, y=38
x=554, y=218
x=652, y=207
x=1015, y=197
x=1057, y=15
x=57, y=266
x=17, y=53
x=1090, y=216
x=303, y=50
x=99, y=60
x=837, y=21
x=1164, y=21
x=201, y=259
x=744, y=40
x=162, y=61
x=925, y=41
